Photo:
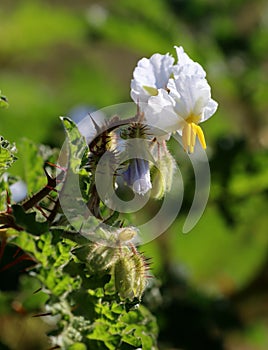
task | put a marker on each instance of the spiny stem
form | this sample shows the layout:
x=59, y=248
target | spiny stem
x=16, y=261
x=54, y=211
x=36, y=198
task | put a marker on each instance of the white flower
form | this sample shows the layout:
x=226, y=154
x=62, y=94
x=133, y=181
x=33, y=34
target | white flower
x=187, y=104
x=193, y=103
x=173, y=97
x=150, y=75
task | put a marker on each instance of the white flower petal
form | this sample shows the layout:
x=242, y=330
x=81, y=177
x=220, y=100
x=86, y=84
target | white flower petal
x=209, y=110
x=150, y=73
x=160, y=114
x=191, y=95
x=183, y=58
x=186, y=65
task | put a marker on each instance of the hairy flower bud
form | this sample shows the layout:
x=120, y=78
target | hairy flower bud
x=162, y=175
x=130, y=275
x=140, y=280
x=124, y=275
x=98, y=258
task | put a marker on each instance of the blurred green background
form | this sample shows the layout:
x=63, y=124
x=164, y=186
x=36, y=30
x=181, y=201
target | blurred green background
x=57, y=55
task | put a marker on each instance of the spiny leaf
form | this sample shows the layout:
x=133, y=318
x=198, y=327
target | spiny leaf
x=7, y=154
x=78, y=148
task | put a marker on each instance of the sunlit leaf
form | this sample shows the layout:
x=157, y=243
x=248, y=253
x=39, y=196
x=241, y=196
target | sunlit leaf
x=33, y=164
x=77, y=145
x=7, y=154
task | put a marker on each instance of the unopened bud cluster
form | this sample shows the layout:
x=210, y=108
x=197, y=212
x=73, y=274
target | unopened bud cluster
x=127, y=266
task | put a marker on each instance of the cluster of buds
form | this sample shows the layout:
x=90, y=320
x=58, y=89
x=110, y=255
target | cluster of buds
x=128, y=267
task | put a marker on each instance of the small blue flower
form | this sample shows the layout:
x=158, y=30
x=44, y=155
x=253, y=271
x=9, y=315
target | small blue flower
x=137, y=176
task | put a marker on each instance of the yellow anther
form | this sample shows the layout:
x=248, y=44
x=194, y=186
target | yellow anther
x=189, y=133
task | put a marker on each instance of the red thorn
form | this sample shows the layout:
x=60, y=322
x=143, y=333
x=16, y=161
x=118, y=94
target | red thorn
x=16, y=252
x=9, y=209
x=2, y=247
x=8, y=197
x=41, y=210
x=16, y=261
x=133, y=249
x=51, y=188
x=57, y=166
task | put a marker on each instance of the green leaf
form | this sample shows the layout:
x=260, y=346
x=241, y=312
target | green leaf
x=144, y=324
x=28, y=221
x=33, y=164
x=25, y=241
x=77, y=346
x=7, y=154
x=3, y=192
x=101, y=332
x=3, y=101
x=78, y=148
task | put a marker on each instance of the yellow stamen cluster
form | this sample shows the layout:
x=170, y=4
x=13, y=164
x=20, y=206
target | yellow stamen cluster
x=189, y=133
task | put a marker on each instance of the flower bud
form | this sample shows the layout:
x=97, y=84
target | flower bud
x=124, y=275
x=140, y=281
x=97, y=258
x=137, y=176
x=130, y=275
x=162, y=175
x=126, y=234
